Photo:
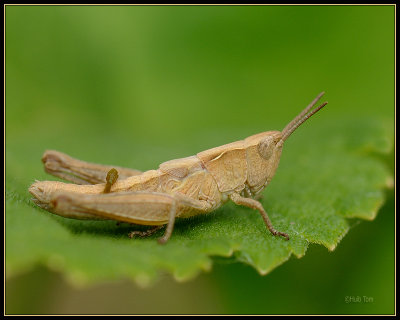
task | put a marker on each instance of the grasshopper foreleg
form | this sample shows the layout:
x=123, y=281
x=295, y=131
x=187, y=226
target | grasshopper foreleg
x=254, y=204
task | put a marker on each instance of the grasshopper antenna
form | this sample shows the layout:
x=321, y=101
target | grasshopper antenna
x=302, y=117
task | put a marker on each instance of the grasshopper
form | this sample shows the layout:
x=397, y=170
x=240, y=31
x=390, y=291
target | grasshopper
x=238, y=171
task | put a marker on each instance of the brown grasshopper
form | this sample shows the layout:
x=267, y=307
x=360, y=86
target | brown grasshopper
x=185, y=187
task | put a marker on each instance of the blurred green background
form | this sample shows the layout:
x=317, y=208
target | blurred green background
x=138, y=85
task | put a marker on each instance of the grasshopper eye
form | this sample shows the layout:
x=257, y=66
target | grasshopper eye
x=266, y=147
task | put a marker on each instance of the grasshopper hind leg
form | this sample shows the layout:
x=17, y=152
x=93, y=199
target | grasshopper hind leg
x=144, y=208
x=80, y=172
x=112, y=177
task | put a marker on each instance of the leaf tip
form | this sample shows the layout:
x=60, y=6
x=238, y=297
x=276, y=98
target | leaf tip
x=77, y=279
x=143, y=280
x=389, y=183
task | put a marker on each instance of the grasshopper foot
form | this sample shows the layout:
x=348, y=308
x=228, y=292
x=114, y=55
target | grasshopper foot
x=277, y=233
x=146, y=233
x=162, y=240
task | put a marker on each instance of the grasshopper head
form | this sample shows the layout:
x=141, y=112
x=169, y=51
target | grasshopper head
x=264, y=149
x=263, y=154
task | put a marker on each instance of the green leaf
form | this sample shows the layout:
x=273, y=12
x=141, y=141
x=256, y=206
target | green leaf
x=330, y=175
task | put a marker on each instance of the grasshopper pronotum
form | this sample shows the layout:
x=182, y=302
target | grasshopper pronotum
x=238, y=171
